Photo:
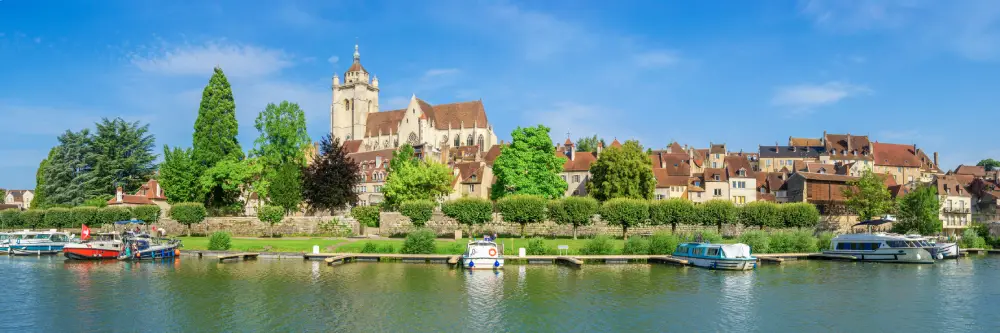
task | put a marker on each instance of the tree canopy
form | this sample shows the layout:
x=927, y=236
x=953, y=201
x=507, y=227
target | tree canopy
x=227, y=181
x=68, y=172
x=672, y=211
x=622, y=172
x=529, y=165
x=121, y=154
x=41, y=199
x=588, y=144
x=410, y=179
x=919, y=211
x=330, y=181
x=286, y=190
x=989, y=164
x=717, y=213
x=868, y=196
x=216, y=128
x=179, y=176
x=283, y=140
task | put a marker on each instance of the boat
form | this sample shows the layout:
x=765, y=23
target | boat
x=144, y=247
x=734, y=257
x=38, y=243
x=100, y=246
x=4, y=241
x=482, y=254
x=941, y=250
x=884, y=247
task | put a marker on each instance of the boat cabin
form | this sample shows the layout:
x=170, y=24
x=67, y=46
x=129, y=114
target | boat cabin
x=872, y=242
x=713, y=251
x=482, y=249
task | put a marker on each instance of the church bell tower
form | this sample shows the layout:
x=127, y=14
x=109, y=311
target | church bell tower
x=353, y=99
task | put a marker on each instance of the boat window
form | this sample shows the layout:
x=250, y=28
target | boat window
x=896, y=243
x=699, y=251
x=843, y=246
x=713, y=252
x=924, y=243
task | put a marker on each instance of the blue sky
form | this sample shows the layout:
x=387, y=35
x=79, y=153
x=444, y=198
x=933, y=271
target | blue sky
x=740, y=72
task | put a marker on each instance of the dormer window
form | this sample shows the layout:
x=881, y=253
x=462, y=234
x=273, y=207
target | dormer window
x=697, y=183
x=716, y=177
x=741, y=172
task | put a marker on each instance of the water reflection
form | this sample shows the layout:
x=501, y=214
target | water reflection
x=737, y=300
x=484, y=290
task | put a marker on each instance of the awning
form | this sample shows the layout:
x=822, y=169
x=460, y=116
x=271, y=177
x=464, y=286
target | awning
x=130, y=222
x=874, y=222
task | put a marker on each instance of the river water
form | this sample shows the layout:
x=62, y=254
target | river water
x=50, y=294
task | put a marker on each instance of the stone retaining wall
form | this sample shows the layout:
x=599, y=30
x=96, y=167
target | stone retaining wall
x=252, y=227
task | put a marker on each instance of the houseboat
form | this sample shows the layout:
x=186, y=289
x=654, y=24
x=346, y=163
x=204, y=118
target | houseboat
x=717, y=256
x=144, y=247
x=100, y=246
x=943, y=250
x=482, y=254
x=38, y=243
x=885, y=248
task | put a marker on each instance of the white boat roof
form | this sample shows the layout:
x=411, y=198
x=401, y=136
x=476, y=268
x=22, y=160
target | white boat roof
x=482, y=243
x=875, y=237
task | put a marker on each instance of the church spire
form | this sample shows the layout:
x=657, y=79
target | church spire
x=357, y=56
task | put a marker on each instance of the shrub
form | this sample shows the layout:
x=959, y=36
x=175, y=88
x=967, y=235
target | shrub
x=672, y=211
x=576, y=211
x=84, y=215
x=823, y=241
x=100, y=201
x=522, y=209
x=792, y=242
x=112, y=214
x=419, y=211
x=366, y=215
x=369, y=248
x=10, y=219
x=663, y=243
x=469, y=211
x=33, y=218
x=757, y=240
x=761, y=214
x=625, y=212
x=707, y=236
x=58, y=217
x=536, y=247
x=717, y=213
x=972, y=240
x=220, y=241
x=420, y=241
x=271, y=215
x=636, y=245
x=147, y=213
x=599, y=245
x=799, y=215
x=387, y=248
x=188, y=213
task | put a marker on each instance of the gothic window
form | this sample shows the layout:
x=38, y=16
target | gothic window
x=468, y=140
x=412, y=139
x=386, y=143
x=458, y=142
x=376, y=144
x=482, y=143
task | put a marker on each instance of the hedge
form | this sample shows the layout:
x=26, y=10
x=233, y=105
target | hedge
x=419, y=211
x=577, y=211
x=34, y=218
x=761, y=214
x=469, y=211
x=799, y=215
x=368, y=216
x=625, y=212
x=84, y=215
x=113, y=214
x=147, y=213
x=522, y=209
x=58, y=218
x=672, y=211
x=716, y=213
x=188, y=213
x=10, y=219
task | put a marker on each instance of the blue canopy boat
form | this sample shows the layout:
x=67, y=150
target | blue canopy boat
x=141, y=246
x=717, y=256
x=38, y=243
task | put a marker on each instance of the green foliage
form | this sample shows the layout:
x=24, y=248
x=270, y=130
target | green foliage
x=792, y=242
x=469, y=211
x=216, y=129
x=411, y=179
x=419, y=211
x=369, y=248
x=672, y=211
x=67, y=178
x=624, y=172
x=188, y=213
x=179, y=175
x=420, y=241
x=271, y=214
x=636, y=245
x=147, y=213
x=537, y=247
x=663, y=243
x=58, y=218
x=224, y=182
x=972, y=240
x=286, y=188
x=625, y=212
x=761, y=214
x=100, y=201
x=386, y=248
x=588, y=144
x=34, y=218
x=868, y=196
x=577, y=211
x=329, y=182
x=41, y=199
x=707, y=236
x=717, y=213
x=367, y=215
x=599, y=245
x=758, y=241
x=799, y=215
x=522, y=209
x=823, y=241
x=529, y=166
x=283, y=141
x=220, y=241
x=989, y=164
x=919, y=211
x=85, y=215
x=113, y=214
x=121, y=154
x=10, y=219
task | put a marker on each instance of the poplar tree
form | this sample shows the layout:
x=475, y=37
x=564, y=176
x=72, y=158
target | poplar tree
x=215, y=132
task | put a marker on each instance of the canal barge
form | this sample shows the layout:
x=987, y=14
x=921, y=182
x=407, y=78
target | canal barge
x=482, y=254
x=38, y=243
x=883, y=247
x=717, y=256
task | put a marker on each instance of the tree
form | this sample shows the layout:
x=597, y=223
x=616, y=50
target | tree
x=215, y=132
x=271, y=215
x=121, y=154
x=419, y=211
x=368, y=216
x=329, y=182
x=3, y=193
x=179, y=175
x=188, y=213
x=868, y=196
x=283, y=140
x=588, y=144
x=672, y=211
x=799, y=215
x=716, y=213
x=989, y=164
x=918, y=211
x=522, y=209
x=229, y=179
x=625, y=212
x=529, y=165
x=410, y=179
x=85, y=215
x=469, y=211
x=761, y=214
x=286, y=188
x=624, y=172
x=147, y=213
x=576, y=211
x=40, y=199
x=68, y=172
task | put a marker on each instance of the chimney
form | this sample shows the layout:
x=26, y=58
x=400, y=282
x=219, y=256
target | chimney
x=914, y=149
x=600, y=148
x=935, y=160
x=848, y=141
x=823, y=139
x=571, y=151
x=662, y=165
x=118, y=195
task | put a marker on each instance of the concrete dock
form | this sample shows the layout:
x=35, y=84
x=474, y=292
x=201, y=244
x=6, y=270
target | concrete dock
x=243, y=256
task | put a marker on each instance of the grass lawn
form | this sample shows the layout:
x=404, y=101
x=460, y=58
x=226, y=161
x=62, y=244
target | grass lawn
x=457, y=247
x=258, y=244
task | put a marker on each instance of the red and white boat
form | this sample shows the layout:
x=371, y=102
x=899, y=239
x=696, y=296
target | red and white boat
x=100, y=246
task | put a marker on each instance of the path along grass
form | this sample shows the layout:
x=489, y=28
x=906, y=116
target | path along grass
x=446, y=246
x=260, y=244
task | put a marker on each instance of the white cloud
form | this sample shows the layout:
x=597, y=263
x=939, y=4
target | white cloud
x=333, y=59
x=652, y=59
x=237, y=60
x=440, y=72
x=807, y=96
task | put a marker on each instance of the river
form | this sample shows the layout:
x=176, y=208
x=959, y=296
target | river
x=53, y=295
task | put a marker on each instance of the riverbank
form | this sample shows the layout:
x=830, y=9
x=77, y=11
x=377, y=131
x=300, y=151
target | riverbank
x=246, y=244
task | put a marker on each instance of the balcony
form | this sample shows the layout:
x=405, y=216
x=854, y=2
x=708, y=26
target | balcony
x=956, y=210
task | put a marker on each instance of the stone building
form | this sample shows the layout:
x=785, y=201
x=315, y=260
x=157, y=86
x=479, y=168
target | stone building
x=20, y=198
x=956, y=205
x=576, y=169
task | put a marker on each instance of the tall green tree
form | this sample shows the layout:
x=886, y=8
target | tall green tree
x=989, y=164
x=799, y=215
x=919, y=211
x=283, y=140
x=179, y=176
x=717, y=213
x=286, y=189
x=625, y=212
x=672, y=211
x=529, y=165
x=122, y=155
x=329, y=182
x=868, y=196
x=622, y=172
x=215, y=133
x=69, y=171
x=41, y=199
x=761, y=214
x=232, y=179
x=410, y=179
x=588, y=144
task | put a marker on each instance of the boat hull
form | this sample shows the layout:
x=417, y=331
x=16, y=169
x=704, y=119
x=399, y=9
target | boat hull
x=896, y=255
x=948, y=250
x=722, y=264
x=168, y=251
x=482, y=263
x=90, y=253
x=35, y=249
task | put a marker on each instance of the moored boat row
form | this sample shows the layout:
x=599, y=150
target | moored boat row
x=127, y=245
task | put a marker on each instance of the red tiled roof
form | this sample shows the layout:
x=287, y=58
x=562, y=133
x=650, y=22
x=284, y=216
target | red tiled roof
x=805, y=142
x=356, y=67
x=737, y=163
x=151, y=190
x=580, y=162
x=696, y=188
x=444, y=116
x=675, y=164
x=710, y=174
x=467, y=170
x=664, y=179
x=351, y=146
x=965, y=180
x=616, y=144
x=131, y=200
x=675, y=147
x=816, y=167
x=848, y=143
x=718, y=149
x=971, y=170
x=766, y=197
x=492, y=154
x=951, y=186
x=568, y=142
x=889, y=154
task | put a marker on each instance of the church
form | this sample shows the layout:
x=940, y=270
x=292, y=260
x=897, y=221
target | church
x=356, y=120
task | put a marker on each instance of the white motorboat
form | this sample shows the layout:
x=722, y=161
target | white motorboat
x=884, y=248
x=482, y=254
x=735, y=257
x=946, y=250
x=38, y=243
x=100, y=246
